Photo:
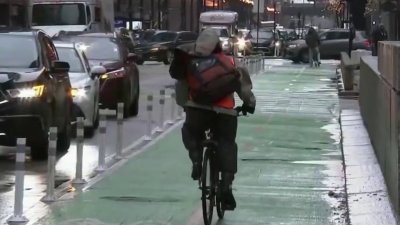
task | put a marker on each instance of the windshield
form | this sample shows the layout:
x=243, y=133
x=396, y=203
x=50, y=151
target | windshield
x=222, y=32
x=261, y=34
x=70, y=56
x=18, y=52
x=163, y=37
x=58, y=14
x=99, y=48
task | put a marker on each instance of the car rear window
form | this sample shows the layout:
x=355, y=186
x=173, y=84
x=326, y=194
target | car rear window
x=18, y=52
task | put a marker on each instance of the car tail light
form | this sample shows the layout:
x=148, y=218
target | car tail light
x=367, y=44
x=113, y=74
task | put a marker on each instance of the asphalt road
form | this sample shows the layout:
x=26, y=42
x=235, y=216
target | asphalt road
x=153, y=77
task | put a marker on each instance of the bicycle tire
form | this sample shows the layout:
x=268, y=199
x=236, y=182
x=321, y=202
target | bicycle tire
x=218, y=197
x=207, y=191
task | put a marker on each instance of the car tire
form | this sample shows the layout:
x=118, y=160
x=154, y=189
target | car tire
x=304, y=57
x=140, y=61
x=39, y=148
x=168, y=58
x=90, y=131
x=134, y=109
x=64, y=136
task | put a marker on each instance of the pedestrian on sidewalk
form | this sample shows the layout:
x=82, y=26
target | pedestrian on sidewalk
x=218, y=116
x=378, y=34
x=313, y=42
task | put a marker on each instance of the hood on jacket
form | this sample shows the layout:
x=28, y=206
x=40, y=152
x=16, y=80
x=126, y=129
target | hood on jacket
x=206, y=42
x=204, y=45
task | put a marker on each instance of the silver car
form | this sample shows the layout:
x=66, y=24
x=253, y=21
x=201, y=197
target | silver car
x=85, y=84
x=333, y=42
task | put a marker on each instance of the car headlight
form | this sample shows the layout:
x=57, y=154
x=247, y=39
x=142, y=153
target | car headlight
x=80, y=92
x=292, y=46
x=154, y=49
x=241, y=43
x=33, y=92
x=277, y=44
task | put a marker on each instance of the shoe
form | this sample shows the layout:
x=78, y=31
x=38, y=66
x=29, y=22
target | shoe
x=229, y=202
x=196, y=171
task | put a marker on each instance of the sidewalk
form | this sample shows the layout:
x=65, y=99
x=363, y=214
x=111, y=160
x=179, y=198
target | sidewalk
x=290, y=165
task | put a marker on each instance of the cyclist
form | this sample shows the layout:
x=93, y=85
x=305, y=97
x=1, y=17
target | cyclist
x=220, y=116
x=313, y=42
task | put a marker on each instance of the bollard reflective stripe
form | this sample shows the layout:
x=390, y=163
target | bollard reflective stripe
x=120, y=122
x=80, y=136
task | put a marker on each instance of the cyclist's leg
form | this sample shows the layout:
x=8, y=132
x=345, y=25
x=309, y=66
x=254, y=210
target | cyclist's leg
x=318, y=55
x=225, y=130
x=310, y=56
x=196, y=123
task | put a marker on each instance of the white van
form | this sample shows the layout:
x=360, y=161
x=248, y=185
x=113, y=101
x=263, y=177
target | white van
x=53, y=16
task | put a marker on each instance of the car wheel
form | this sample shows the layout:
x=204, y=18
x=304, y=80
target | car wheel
x=169, y=57
x=39, y=148
x=140, y=61
x=89, y=131
x=64, y=136
x=304, y=56
x=134, y=110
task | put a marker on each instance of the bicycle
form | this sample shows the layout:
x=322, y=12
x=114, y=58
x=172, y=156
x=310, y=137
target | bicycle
x=314, y=57
x=211, y=191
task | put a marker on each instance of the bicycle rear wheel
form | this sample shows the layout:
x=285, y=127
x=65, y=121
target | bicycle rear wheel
x=207, y=188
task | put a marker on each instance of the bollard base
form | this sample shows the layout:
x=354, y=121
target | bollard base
x=49, y=198
x=159, y=130
x=170, y=122
x=100, y=169
x=118, y=157
x=17, y=220
x=148, y=138
x=79, y=181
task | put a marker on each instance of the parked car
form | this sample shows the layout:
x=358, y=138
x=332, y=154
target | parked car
x=120, y=83
x=333, y=42
x=85, y=84
x=35, y=92
x=161, y=44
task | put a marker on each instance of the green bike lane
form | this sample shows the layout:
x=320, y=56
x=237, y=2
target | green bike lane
x=290, y=165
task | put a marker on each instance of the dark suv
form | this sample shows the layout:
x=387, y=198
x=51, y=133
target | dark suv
x=35, y=92
x=161, y=44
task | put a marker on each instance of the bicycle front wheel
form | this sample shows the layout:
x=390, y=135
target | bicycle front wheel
x=208, y=188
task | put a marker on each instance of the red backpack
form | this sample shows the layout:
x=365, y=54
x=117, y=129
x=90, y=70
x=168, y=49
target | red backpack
x=212, y=78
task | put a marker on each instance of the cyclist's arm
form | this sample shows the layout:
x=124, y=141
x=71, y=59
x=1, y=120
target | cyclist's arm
x=245, y=92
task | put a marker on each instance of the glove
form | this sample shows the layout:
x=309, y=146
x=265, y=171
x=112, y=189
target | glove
x=249, y=109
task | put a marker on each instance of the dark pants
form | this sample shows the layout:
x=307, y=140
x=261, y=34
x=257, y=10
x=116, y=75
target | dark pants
x=223, y=128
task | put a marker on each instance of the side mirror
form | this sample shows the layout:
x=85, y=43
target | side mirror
x=97, y=71
x=59, y=67
x=132, y=57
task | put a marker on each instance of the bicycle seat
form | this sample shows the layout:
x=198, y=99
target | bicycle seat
x=210, y=143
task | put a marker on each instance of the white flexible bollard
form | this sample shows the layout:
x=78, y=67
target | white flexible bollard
x=51, y=166
x=149, y=118
x=120, y=127
x=102, y=145
x=18, y=216
x=80, y=137
x=162, y=104
x=173, y=105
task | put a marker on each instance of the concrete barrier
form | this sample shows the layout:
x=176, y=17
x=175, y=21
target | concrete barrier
x=347, y=66
x=379, y=105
